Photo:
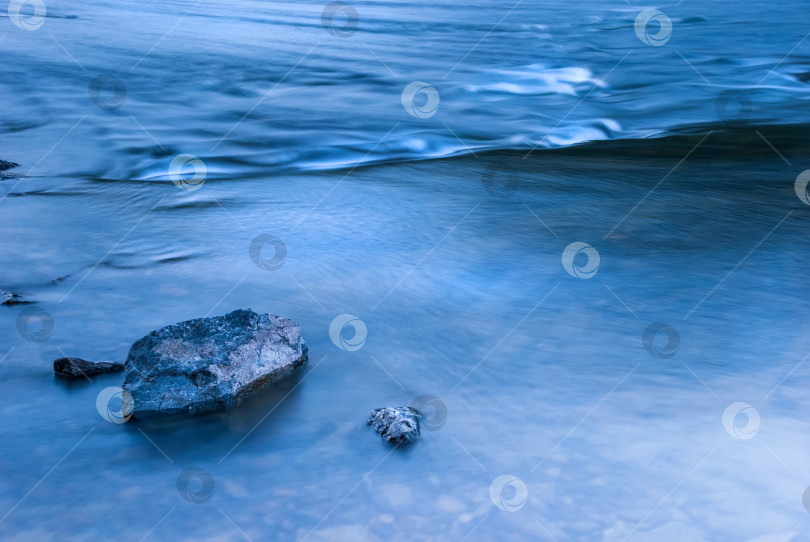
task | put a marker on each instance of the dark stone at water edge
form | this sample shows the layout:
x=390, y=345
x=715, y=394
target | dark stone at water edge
x=77, y=367
x=10, y=298
x=4, y=165
x=210, y=363
x=396, y=425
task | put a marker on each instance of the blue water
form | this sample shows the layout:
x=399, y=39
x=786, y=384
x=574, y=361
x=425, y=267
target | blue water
x=258, y=87
x=444, y=226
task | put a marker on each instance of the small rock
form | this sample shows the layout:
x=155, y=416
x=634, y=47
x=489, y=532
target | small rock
x=76, y=367
x=10, y=298
x=210, y=363
x=396, y=425
x=4, y=165
x=7, y=174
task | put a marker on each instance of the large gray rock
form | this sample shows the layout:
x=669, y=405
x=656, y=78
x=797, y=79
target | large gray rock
x=396, y=425
x=210, y=363
x=77, y=367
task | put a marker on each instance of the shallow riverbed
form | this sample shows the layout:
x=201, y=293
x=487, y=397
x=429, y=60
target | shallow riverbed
x=580, y=250
x=544, y=376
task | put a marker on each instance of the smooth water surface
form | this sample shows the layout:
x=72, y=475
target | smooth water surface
x=454, y=265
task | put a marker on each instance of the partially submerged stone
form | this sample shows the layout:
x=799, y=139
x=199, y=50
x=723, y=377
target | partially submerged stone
x=4, y=165
x=210, y=363
x=10, y=298
x=77, y=367
x=396, y=425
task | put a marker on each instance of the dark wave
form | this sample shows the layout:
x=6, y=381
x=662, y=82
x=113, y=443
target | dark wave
x=722, y=141
x=711, y=140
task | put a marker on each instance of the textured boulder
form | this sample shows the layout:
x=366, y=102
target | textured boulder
x=210, y=363
x=76, y=367
x=396, y=425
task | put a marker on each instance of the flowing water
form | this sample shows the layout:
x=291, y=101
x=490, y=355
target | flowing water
x=426, y=168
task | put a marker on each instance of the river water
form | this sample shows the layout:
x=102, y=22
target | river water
x=575, y=239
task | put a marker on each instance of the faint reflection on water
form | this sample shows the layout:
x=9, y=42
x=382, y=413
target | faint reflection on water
x=544, y=376
x=562, y=421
